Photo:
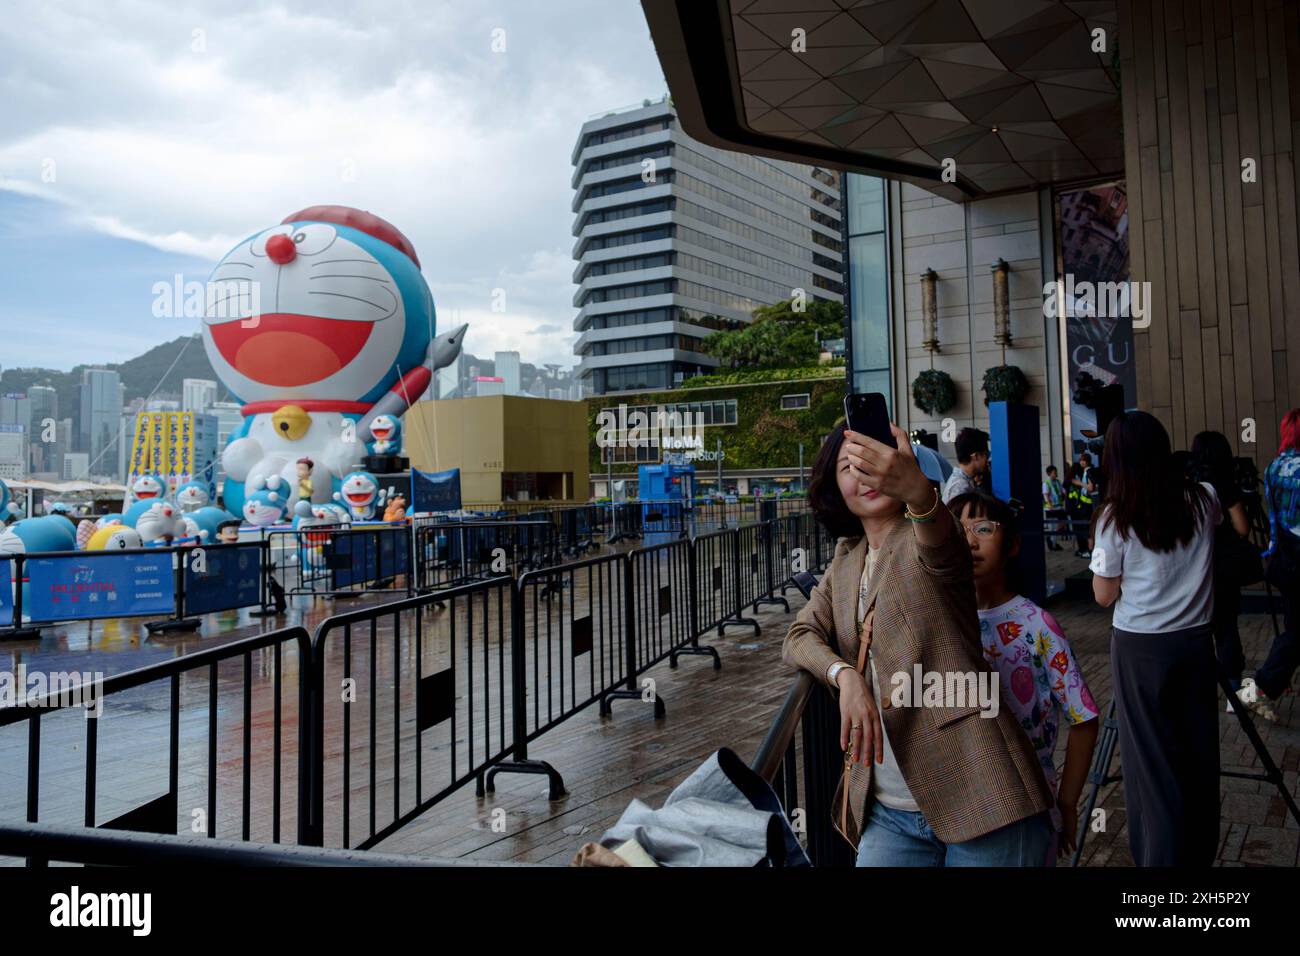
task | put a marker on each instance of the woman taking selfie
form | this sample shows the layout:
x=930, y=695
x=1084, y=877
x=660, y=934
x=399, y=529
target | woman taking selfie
x=927, y=782
x=1153, y=559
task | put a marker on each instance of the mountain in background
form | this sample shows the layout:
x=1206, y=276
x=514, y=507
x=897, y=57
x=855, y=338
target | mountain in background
x=142, y=375
x=153, y=373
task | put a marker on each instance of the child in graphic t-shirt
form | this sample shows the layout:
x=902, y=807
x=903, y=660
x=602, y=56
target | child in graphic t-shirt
x=1041, y=681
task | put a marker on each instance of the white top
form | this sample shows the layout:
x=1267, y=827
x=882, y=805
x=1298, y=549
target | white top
x=887, y=781
x=1160, y=591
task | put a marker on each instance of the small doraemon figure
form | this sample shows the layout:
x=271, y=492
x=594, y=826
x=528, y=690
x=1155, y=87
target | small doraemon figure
x=148, y=488
x=160, y=525
x=359, y=493
x=192, y=496
x=386, y=434
x=264, y=507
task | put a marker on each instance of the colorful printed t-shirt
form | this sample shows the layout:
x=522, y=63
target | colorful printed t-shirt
x=1040, y=677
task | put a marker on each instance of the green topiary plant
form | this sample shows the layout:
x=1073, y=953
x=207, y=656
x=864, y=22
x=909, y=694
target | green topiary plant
x=934, y=391
x=1005, y=383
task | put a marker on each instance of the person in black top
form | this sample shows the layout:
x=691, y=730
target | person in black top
x=1211, y=461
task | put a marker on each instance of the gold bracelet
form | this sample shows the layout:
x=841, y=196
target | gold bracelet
x=929, y=515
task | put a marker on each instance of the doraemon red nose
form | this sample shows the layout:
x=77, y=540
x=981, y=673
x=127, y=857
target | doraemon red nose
x=280, y=249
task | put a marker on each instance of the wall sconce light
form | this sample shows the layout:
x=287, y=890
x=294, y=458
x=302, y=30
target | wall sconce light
x=929, y=311
x=1001, y=308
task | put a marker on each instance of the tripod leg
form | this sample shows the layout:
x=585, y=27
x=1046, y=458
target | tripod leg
x=1271, y=772
x=1098, y=776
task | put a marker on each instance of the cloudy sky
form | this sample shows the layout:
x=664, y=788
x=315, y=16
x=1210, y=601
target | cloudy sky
x=142, y=139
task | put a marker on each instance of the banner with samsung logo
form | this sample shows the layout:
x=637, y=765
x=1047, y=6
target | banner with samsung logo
x=99, y=584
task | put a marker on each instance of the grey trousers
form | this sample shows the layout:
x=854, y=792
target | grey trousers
x=1166, y=690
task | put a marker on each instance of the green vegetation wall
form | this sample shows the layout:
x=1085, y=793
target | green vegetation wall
x=764, y=435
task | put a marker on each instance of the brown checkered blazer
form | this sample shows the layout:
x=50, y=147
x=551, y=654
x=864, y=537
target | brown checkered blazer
x=969, y=775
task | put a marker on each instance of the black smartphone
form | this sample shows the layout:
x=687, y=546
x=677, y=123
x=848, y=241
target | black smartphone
x=868, y=414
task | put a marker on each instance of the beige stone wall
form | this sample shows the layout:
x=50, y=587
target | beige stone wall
x=961, y=243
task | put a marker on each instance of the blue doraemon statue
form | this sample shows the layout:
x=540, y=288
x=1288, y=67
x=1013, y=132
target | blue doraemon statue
x=192, y=496
x=203, y=524
x=8, y=506
x=327, y=326
x=266, y=506
x=147, y=488
x=359, y=493
x=33, y=535
x=385, y=436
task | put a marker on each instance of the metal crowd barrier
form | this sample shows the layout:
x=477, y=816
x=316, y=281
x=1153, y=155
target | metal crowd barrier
x=448, y=723
x=342, y=560
x=53, y=587
x=400, y=704
x=206, y=690
x=448, y=554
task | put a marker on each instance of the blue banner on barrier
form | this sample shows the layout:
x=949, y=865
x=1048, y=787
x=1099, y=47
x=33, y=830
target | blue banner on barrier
x=6, y=590
x=363, y=556
x=232, y=578
x=435, y=491
x=99, y=584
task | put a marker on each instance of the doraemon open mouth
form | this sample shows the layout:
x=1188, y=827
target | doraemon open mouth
x=144, y=493
x=380, y=433
x=359, y=497
x=320, y=347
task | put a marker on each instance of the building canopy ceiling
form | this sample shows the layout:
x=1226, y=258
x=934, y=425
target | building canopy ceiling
x=1011, y=90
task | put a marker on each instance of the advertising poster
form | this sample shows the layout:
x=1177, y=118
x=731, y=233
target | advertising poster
x=1092, y=249
x=99, y=584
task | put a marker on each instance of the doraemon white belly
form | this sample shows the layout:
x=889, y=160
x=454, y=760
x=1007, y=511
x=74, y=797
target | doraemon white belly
x=330, y=442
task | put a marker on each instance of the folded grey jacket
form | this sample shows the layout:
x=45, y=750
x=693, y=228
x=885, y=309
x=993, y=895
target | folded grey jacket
x=723, y=814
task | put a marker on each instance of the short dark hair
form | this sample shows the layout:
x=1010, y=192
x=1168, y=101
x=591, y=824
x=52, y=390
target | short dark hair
x=971, y=441
x=983, y=505
x=824, y=490
x=1051, y=469
x=230, y=523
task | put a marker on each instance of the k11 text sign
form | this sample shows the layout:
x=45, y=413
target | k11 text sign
x=99, y=584
x=230, y=576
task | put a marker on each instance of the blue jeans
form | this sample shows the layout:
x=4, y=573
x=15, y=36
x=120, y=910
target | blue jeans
x=902, y=838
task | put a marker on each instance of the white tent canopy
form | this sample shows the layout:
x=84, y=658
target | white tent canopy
x=66, y=487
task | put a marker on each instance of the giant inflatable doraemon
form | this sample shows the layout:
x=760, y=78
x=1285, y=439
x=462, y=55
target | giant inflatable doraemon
x=318, y=326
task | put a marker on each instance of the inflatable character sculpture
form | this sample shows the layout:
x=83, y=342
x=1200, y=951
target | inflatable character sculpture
x=319, y=326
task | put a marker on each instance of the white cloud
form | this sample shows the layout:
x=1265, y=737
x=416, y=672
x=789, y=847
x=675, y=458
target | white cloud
x=399, y=108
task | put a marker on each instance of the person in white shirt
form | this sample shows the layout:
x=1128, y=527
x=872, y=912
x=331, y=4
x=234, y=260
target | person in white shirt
x=1153, y=562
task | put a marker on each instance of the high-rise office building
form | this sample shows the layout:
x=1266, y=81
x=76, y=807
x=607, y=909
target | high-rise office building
x=229, y=418
x=75, y=465
x=45, y=409
x=13, y=451
x=197, y=394
x=676, y=239
x=16, y=422
x=101, y=415
x=507, y=369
